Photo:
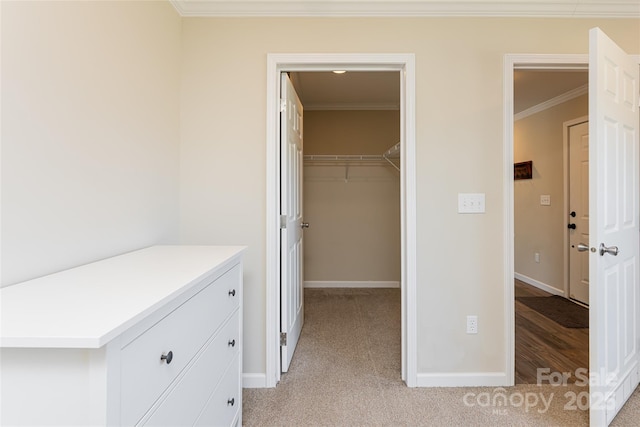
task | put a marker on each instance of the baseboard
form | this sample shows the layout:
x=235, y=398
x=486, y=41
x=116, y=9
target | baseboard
x=254, y=380
x=350, y=284
x=464, y=379
x=539, y=285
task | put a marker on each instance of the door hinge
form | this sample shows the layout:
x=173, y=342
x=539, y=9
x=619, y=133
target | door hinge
x=283, y=221
x=283, y=339
x=283, y=105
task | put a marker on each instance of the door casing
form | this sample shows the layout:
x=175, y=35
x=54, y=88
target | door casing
x=518, y=62
x=405, y=64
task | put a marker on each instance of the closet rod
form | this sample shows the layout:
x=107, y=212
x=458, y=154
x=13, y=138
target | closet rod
x=393, y=152
x=343, y=157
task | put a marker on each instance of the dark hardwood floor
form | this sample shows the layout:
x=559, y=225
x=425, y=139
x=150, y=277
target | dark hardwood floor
x=542, y=343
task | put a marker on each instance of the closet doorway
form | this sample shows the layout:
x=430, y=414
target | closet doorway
x=351, y=193
x=351, y=178
x=403, y=67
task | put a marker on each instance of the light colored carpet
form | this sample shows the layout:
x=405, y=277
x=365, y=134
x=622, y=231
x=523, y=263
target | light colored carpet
x=346, y=372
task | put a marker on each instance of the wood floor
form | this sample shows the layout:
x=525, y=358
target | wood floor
x=542, y=343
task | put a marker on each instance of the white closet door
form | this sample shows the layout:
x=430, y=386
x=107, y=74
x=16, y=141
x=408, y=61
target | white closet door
x=291, y=293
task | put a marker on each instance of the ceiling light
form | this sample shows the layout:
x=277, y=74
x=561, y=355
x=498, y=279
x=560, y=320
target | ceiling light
x=339, y=71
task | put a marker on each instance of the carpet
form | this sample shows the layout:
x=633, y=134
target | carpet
x=559, y=309
x=346, y=371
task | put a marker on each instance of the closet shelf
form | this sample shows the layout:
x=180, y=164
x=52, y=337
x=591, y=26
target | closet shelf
x=346, y=159
x=393, y=152
x=343, y=158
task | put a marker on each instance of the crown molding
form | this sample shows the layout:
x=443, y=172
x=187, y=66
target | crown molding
x=567, y=96
x=410, y=8
x=351, y=107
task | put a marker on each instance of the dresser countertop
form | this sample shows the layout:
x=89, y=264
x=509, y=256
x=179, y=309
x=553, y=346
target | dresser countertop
x=87, y=306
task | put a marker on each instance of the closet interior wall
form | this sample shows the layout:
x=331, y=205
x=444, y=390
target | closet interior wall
x=352, y=198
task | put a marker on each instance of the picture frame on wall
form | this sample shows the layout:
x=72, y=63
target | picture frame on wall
x=523, y=170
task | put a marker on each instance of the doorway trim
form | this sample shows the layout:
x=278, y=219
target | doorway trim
x=405, y=65
x=513, y=62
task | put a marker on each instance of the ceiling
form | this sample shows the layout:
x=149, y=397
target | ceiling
x=359, y=90
x=381, y=90
x=533, y=87
x=412, y=8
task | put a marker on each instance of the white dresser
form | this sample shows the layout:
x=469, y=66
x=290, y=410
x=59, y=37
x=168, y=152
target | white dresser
x=152, y=337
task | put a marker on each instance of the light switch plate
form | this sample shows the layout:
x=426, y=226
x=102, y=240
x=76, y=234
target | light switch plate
x=471, y=203
x=545, y=200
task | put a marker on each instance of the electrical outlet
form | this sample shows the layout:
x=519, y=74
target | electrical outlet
x=472, y=324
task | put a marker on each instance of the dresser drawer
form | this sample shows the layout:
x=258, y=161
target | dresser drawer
x=183, y=332
x=183, y=404
x=224, y=406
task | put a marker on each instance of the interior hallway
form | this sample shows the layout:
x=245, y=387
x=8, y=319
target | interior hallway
x=543, y=343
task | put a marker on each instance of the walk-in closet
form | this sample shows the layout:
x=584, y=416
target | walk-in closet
x=351, y=201
x=351, y=179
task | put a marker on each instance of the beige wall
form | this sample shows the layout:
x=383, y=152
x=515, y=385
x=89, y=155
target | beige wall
x=90, y=132
x=350, y=132
x=459, y=112
x=354, y=210
x=542, y=228
x=96, y=96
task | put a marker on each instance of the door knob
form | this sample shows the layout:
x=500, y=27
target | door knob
x=304, y=225
x=571, y=226
x=573, y=214
x=582, y=247
x=611, y=250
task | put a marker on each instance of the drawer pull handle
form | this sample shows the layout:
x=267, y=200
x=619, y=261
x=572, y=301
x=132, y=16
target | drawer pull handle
x=167, y=357
x=231, y=402
x=232, y=292
x=232, y=343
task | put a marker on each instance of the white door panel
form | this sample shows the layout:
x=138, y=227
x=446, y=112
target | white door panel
x=579, y=211
x=614, y=297
x=291, y=292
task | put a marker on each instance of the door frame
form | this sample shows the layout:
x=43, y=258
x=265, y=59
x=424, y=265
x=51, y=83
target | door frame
x=511, y=63
x=405, y=65
x=566, y=127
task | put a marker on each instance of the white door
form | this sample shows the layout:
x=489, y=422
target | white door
x=613, y=172
x=291, y=286
x=579, y=212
